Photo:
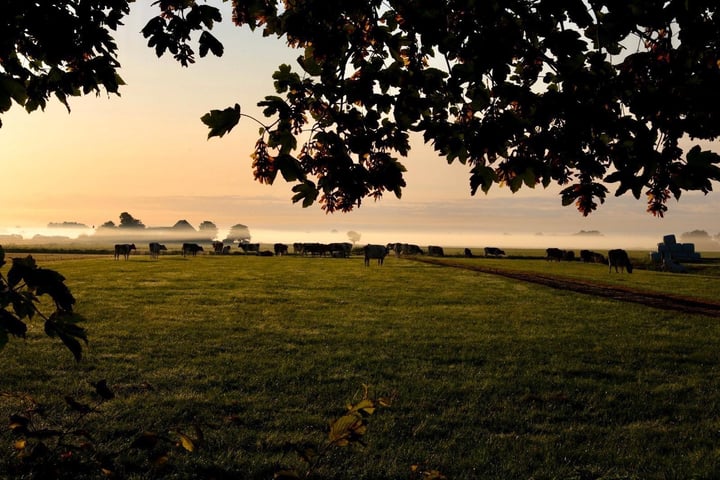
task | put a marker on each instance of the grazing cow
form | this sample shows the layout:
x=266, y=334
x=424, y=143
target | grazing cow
x=315, y=249
x=493, y=252
x=619, y=259
x=155, y=249
x=217, y=247
x=298, y=248
x=191, y=249
x=435, y=251
x=124, y=250
x=588, y=256
x=405, y=249
x=340, y=250
x=554, y=254
x=249, y=247
x=412, y=249
x=375, y=251
x=280, y=249
x=226, y=250
x=468, y=253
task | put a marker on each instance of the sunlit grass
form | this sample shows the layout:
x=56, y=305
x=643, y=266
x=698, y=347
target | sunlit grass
x=494, y=378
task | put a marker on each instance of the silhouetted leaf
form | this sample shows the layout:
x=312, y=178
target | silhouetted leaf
x=208, y=42
x=221, y=121
x=102, y=389
x=306, y=191
x=11, y=324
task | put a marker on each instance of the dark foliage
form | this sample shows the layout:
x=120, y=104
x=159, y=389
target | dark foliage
x=581, y=94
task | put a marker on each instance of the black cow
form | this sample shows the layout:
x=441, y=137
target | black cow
x=435, y=251
x=493, y=252
x=218, y=247
x=554, y=254
x=378, y=252
x=619, y=259
x=315, y=249
x=155, y=249
x=340, y=249
x=404, y=249
x=280, y=249
x=249, y=247
x=588, y=256
x=191, y=249
x=468, y=253
x=123, y=249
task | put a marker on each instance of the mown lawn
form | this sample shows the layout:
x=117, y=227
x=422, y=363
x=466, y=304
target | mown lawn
x=491, y=378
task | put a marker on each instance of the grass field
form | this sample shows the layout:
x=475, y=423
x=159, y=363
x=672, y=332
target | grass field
x=491, y=377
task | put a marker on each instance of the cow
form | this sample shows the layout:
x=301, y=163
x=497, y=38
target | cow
x=554, y=254
x=226, y=250
x=217, y=247
x=191, y=249
x=340, y=250
x=435, y=251
x=468, y=253
x=619, y=259
x=378, y=252
x=406, y=249
x=155, y=249
x=493, y=252
x=280, y=249
x=588, y=256
x=298, y=248
x=249, y=247
x=315, y=249
x=123, y=249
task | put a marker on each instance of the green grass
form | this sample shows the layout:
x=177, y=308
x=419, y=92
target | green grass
x=701, y=282
x=493, y=378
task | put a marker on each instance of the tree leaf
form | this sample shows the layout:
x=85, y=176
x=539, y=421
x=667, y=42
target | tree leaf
x=186, y=442
x=221, y=121
x=306, y=191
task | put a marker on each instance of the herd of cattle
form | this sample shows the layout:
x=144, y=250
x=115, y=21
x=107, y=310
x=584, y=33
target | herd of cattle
x=616, y=258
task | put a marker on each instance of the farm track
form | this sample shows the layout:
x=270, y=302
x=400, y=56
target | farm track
x=662, y=301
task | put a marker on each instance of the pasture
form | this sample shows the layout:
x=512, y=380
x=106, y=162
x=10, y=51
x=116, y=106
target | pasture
x=490, y=377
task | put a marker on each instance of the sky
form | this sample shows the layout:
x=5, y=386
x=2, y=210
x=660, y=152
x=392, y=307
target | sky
x=147, y=153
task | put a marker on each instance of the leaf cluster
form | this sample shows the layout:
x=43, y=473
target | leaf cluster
x=59, y=49
x=49, y=447
x=580, y=94
x=20, y=293
x=347, y=430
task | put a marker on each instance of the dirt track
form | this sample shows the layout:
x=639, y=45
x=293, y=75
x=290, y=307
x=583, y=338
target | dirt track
x=655, y=300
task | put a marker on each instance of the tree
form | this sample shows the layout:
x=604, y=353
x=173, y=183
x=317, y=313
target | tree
x=238, y=233
x=128, y=221
x=353, y=236
x=183, y=225
x=585, y=94
x=59, y=49
x=209, y=227
x=579, y=93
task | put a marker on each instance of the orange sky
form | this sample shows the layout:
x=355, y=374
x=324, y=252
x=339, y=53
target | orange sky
x=147, y=153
